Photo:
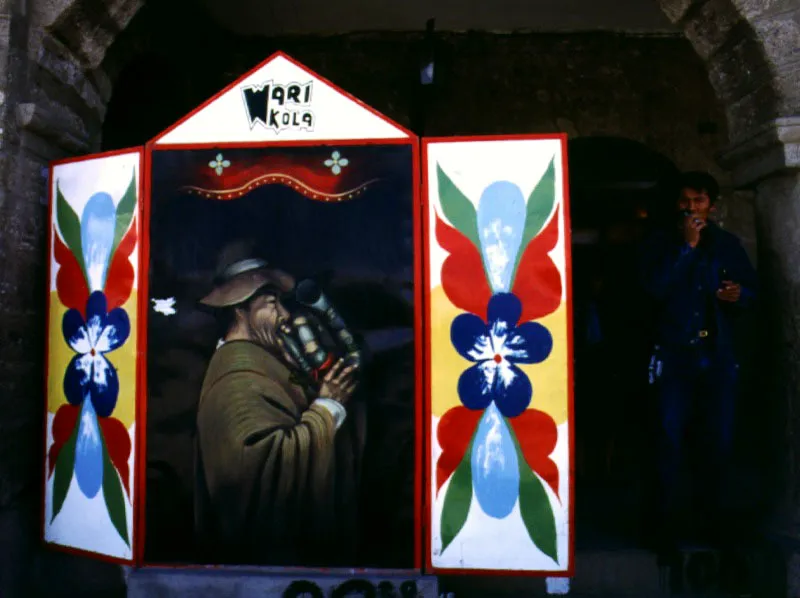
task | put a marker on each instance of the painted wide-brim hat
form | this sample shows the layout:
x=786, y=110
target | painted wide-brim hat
x=241, y=280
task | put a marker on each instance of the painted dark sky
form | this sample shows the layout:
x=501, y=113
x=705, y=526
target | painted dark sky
x=369, y=235
x=361, y=251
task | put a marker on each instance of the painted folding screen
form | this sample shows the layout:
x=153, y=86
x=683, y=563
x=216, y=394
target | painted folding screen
x=286, y=176
x=90, y=489
x=499, y=362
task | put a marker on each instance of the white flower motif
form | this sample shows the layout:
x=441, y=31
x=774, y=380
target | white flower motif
x=336, y=162
x=495, y=352
x=219, y=164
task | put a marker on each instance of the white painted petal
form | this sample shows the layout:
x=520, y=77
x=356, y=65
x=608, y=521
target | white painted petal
x=329, y=162
x=107, y=340
x=514, y=348
x=489, y=371
x=95, y=328
x=482, y=350
x=101, y=366
x=336, y=169
x=499, y=334
x=80, y=343
x=84, y=364
x=507, y=375
x=343, y=162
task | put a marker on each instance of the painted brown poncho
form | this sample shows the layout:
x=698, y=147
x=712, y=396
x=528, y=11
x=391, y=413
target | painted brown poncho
x=275, y=482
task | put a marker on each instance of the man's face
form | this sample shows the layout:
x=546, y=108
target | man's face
x=696, y=202
x=266, y=315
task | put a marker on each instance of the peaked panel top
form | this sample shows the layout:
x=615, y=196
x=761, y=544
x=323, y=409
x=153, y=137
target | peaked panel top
x=281, y=100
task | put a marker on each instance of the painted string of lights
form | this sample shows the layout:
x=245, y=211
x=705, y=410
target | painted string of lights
x=335, y=164
x=496, y=448
x=95, y=278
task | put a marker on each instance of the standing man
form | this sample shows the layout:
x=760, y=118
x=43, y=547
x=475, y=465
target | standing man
x=277, y=455
x=699, y=277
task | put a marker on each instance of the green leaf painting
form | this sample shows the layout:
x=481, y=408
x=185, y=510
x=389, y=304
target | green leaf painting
x=64, y=470
x=457, y=500
x=114, y=497
x=125, y=210
x=535, y=507
x=457, y=208
x=538, y=209
x=70, y=227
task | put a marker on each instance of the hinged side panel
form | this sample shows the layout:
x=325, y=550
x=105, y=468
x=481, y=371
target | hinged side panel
x=92, y=347
x=499, y=397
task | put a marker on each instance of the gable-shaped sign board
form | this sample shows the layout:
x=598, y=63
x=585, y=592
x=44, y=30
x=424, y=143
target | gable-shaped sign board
x=267, y=342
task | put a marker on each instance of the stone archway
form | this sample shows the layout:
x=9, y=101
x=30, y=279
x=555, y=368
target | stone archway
x=54, y=97
x=750, y=48
x=744, y=44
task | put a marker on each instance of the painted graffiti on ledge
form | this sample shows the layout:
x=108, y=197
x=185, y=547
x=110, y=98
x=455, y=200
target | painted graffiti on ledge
x=353, y=587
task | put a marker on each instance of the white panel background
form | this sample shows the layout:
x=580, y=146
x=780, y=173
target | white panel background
x=337, y=117
x=84, y=523
x=80, y=180
x=484, y=542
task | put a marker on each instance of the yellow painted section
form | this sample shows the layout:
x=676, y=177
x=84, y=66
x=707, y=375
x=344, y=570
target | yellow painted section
x=550, y=379
x=123, y=359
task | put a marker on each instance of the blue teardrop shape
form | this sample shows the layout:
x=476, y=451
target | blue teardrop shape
x=495, y=470
x=98, y=223
x=501, y=221
x=89, y=452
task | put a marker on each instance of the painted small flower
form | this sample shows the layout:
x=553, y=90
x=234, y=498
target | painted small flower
x=495, y=348
x=219, y=164
x=336, y=162
x=90, y=375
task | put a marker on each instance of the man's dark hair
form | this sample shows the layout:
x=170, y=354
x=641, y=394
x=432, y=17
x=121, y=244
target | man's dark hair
x=699, y=181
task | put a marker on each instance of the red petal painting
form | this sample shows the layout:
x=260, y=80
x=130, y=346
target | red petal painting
x=537, y=283
x=537, y=435
x=70, y=282
x=118, y=443
x=63, y=424
x=120, y=275
x=463, y=279
x=454, y=432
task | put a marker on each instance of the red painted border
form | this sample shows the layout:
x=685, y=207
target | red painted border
x=87, y=157
x=48, y=328
x=278, y=142
x=284, y=571
x=294, y=143
x=570, y=353
x=419, y=361
x=429, y=568
x=141, y=365
x=420, y=355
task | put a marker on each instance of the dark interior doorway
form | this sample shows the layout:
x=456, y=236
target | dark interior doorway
x=619, y=190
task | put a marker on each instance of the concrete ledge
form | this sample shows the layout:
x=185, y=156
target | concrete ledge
x=245, y=583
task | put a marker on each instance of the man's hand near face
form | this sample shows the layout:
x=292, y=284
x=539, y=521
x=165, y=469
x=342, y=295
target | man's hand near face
x=338, y=384
x=692, y=227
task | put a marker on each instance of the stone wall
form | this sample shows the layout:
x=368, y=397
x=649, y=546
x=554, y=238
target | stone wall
x=58, y=78
x=52, y=105
x=650, y=89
